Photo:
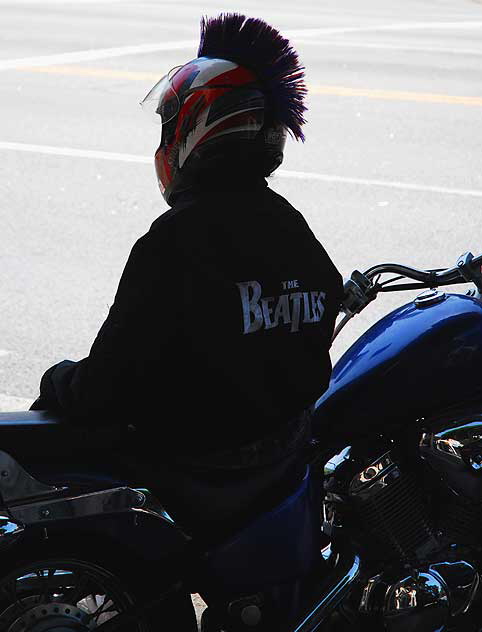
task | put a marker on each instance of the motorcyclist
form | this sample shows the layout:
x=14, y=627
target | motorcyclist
x=217, y=343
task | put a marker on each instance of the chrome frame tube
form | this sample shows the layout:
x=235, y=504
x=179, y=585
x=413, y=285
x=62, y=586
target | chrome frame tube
x=107, y=501
x=29, y=501
x=320, y=610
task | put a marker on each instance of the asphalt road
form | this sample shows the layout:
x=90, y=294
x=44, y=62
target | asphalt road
x=391, y=169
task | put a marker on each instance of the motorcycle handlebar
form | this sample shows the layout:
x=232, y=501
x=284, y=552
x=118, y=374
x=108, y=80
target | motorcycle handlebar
x=411, y=273
x=465, y=271
x=360, y=290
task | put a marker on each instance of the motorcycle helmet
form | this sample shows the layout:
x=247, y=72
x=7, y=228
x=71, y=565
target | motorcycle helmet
x=228, y=110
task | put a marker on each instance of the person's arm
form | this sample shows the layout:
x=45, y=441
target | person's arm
x=141, y=322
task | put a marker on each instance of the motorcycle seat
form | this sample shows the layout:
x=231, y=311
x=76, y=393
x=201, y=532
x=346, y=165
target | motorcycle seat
x=48, y=445
x=28, y=419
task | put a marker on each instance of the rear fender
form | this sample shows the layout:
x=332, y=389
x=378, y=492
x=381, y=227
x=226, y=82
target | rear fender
x=123, y=515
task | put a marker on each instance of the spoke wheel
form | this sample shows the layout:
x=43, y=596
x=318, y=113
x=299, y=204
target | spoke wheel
x=61, y=595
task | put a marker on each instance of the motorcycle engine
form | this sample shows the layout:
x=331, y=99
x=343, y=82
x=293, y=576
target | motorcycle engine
x=382, y=499
x=452, y=447
x=408, y=518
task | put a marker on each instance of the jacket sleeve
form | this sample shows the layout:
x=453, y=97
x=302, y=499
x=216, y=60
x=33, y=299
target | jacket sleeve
x=106, y=386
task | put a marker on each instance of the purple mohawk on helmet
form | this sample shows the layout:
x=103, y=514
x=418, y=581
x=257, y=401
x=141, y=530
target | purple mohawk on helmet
x=254, y=44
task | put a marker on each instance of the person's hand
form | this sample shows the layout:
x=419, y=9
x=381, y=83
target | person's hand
x=47, y=400
x=39, y=404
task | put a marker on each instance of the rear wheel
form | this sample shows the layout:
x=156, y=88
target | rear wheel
x=62, y=595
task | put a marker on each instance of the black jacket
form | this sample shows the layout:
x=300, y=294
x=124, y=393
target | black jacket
x=220, y=329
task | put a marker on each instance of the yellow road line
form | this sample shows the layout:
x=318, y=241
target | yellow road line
x=313, y=89
x=395, y=95
x=102, y=73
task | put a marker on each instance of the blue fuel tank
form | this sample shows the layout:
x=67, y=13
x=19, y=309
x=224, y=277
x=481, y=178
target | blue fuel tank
x=414, y=362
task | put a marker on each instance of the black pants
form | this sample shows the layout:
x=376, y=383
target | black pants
x=212, y=505
x=212, y=494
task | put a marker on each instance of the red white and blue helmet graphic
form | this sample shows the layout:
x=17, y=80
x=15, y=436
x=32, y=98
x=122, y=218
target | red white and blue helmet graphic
x=197, y=103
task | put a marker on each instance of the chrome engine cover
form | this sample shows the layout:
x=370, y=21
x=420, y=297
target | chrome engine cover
x=452, y=445
x=424, y=601
x=418, y=602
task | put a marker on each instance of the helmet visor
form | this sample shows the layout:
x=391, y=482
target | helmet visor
x=161, y=103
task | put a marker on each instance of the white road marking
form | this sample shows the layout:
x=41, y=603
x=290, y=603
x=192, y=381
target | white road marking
x=407, y=186
x=382, y=46
x=283, y=173
x=9, y=403
x=67, y=1
x=403, y=26
x=3, y=353
x=106, y=53
x=94, y=54
x=75, y=153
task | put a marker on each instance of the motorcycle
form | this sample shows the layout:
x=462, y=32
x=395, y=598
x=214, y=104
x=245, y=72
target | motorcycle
x=384, y=532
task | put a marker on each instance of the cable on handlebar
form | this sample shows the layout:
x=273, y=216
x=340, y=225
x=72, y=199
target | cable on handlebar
x=405, y=286
x=396, y=268
x=341, y=325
